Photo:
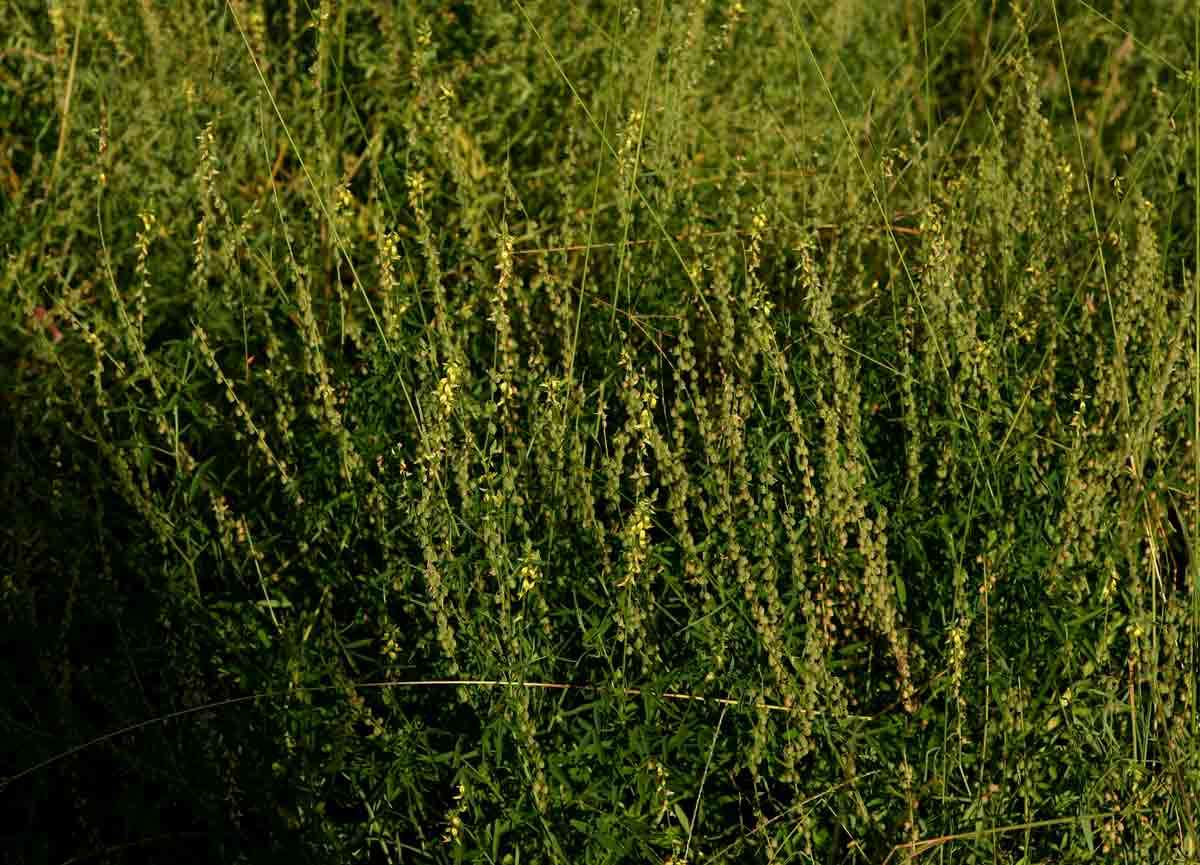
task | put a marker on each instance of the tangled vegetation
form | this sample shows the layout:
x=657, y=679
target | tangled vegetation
x=590, y=432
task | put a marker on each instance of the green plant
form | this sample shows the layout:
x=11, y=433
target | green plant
x=599, y=433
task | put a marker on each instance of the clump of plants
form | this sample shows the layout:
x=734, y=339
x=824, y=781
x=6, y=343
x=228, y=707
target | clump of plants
x=599, y=433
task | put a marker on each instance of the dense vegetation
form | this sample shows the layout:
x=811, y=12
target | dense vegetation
x=590, y=432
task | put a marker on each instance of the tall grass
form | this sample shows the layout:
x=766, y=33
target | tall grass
x=595, y=432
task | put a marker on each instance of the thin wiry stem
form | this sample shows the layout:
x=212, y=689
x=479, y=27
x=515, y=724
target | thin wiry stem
x=421, y=683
